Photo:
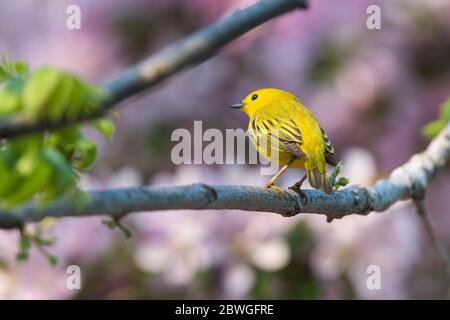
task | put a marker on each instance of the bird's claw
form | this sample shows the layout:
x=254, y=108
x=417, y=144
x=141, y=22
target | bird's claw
x=274, y=187
x=301, y=193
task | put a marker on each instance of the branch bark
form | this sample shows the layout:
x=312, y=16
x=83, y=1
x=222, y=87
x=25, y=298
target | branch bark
x=191, y=50
x=409, y=181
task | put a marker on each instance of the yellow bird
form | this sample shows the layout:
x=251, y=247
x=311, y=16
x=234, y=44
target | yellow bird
x=283, y=130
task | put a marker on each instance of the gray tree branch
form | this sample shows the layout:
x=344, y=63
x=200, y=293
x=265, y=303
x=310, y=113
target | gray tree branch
x=409, y=181
x=191, y=50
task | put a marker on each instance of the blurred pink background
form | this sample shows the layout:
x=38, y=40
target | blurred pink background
x=372, y=90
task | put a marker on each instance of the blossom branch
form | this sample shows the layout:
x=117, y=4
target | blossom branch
x=409, y=181
x=191, y=50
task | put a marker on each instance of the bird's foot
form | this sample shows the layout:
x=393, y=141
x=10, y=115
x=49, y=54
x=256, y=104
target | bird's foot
x=274, y=187
x=297, y=188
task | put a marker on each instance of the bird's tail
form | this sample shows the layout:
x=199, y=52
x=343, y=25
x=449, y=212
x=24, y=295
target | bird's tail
x=319, y=180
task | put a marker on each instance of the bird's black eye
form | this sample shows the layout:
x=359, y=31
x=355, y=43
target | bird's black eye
x=254, y=97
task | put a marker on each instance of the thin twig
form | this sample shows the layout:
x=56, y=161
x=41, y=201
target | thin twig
x=438, y=246
x=430, y=230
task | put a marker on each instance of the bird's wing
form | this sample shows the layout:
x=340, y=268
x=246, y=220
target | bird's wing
x=330, y=157
x=281, y=135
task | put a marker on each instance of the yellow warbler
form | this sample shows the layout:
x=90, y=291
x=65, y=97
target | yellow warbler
x=285, y=131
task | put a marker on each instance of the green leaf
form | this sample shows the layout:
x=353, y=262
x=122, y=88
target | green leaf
x=38, y=89
x=60, y=184
x=20, y=67
x=433, y=128
x=27, y=162
x=24, y=248
x=54, y=94
x=105, y=127
x=445, y=111
x=84, y=99
x=9, y=180
x=111, y=224
x=26, y=152
x=64, y=139
x=63, y=176
x=41, y=243
x=335, y=173
x=10, y=69
x=9, y=102
x=94, y=95
x=32, y=185
x=115, y=224
x=52, y=259
x=87, y=153
x=342, y=182
x=75, y=107
x=22, y=143
x=10, y=96
x=61, y=98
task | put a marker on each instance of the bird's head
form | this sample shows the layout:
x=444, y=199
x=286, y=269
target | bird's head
x=260, y=98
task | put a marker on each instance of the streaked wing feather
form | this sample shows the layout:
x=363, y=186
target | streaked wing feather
x=330, y=157
x=286, y=134
x=295, y=149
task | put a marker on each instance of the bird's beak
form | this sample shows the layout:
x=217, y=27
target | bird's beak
x=236, y=105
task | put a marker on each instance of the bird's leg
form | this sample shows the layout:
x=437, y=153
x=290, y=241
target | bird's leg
x=297, y=187
x=271, y=183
